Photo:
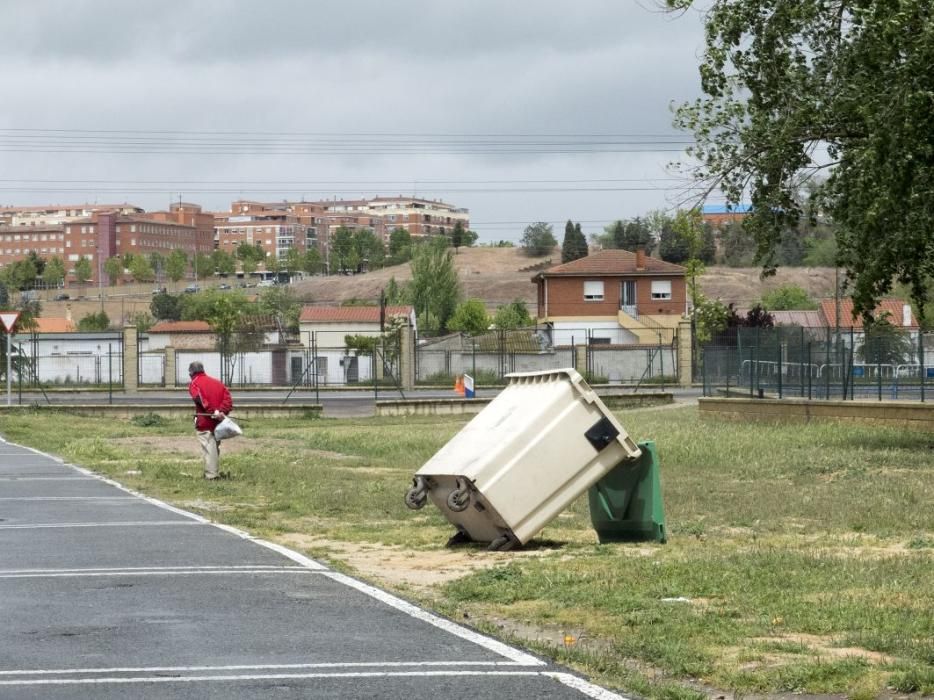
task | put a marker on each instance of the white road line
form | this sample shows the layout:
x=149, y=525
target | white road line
x=222, y=572
x=67, y=498
x=130, y=523
x=488, y=643
x=147, y=568
x=43, y=478
x=268, y=677
x=585, y=687
x=253, y=667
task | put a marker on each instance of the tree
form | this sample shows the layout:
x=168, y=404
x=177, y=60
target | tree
x=342, y=249
x=141, y=269
x=400, y=245
x=204, y=266
x=250, y=256
x=176, y=264
x=674, y=245
x=98, y=321
x=280, y=301
x=457, y=236
x=512, y=315
x=166, y=307
x=885, y=343
x=54, y=273
x=19, y=275
x=294, y=261
x=739, y=248
x=83, y=271
x=311, y=261
x=224, y=263
x=470, y=317
x=369, y=248
x=114, y=269
x=38, y=263
x=435, y=288
x=788, y=297
x=396, y=294
x=632, y=235
x=538, y=239
x=574, y=245
x=784, y=81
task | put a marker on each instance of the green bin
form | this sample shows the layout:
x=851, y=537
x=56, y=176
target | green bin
x=626, y=504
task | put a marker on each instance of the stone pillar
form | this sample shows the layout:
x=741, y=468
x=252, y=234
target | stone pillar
x=130, y=359
x=685, y=352
x=407, y=357
x=581, y=353
x=170, y=372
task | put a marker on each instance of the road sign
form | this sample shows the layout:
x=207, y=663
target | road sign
x=8, y=319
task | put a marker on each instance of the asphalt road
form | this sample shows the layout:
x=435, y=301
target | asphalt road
x=108, y=594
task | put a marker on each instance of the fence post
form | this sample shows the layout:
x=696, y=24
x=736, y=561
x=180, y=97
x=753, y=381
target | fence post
x=778, y=347
x=170, y=373
x=685, y=349
x=407, y=357
x=130, y=359
x=110, y=373
x=921, y=361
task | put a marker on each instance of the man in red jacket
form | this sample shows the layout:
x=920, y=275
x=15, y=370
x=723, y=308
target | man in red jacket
x=212, y=402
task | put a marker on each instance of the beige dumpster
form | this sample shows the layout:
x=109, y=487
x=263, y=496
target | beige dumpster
x=523, y=459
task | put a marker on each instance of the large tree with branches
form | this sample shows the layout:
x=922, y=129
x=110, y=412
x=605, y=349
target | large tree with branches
x=796, y=86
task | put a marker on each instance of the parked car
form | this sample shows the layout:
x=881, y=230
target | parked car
x=223, y=286
x=192, y=288
x=61, y=297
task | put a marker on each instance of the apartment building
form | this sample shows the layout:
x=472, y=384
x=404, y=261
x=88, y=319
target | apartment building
x=106, y=234
x=47, y=240
x=272, y=227
x=56, y=214
x=320, y=219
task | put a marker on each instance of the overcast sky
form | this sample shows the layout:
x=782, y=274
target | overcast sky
x=520, y=111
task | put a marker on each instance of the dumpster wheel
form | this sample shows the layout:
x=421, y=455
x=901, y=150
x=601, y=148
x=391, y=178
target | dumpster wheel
x=503, y=543
x=459, y=498
x=417, y=496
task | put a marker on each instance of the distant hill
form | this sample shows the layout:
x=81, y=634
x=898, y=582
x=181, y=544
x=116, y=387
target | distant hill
x=499, y=275
x=495, y=275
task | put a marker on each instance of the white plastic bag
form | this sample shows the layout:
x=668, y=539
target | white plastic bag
x=227, y=429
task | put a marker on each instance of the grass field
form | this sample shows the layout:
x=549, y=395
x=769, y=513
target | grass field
x=800, y=558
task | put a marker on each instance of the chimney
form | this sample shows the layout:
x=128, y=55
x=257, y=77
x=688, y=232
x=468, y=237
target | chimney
x=906, y=315
x=640, y=260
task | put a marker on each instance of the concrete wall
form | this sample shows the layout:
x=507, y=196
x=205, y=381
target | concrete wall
x=911, y=415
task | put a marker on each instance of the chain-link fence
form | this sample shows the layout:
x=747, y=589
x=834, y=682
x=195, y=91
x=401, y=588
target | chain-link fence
x=884, y=362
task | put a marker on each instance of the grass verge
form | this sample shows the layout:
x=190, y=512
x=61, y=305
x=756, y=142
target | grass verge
x=799, y=561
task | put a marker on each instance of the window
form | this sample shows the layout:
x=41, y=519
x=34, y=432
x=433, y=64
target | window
x=661, y=290
x=593, y=290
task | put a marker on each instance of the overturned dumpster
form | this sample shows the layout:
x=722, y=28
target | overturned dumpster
x=523, y=459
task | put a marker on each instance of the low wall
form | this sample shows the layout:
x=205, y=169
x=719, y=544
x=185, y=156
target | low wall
x=430, y=407
x=126, y=411
x=635, y=399
x=913, y=415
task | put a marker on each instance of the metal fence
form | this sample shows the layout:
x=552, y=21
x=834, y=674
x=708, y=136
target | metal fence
x=887, y=363
x=488, y=357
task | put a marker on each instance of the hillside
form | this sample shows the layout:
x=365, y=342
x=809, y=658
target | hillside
x=496, y=275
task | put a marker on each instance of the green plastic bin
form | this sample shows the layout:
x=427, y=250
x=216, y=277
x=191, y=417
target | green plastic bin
x=626, y=504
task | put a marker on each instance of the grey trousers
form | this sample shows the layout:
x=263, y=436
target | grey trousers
x=209, y=452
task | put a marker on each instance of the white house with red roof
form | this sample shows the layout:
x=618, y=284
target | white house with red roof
x=323, y=329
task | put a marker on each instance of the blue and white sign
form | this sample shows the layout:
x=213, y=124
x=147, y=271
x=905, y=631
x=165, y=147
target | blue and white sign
x=468, y=387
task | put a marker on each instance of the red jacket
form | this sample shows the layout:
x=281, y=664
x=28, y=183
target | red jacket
x=209, y=395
